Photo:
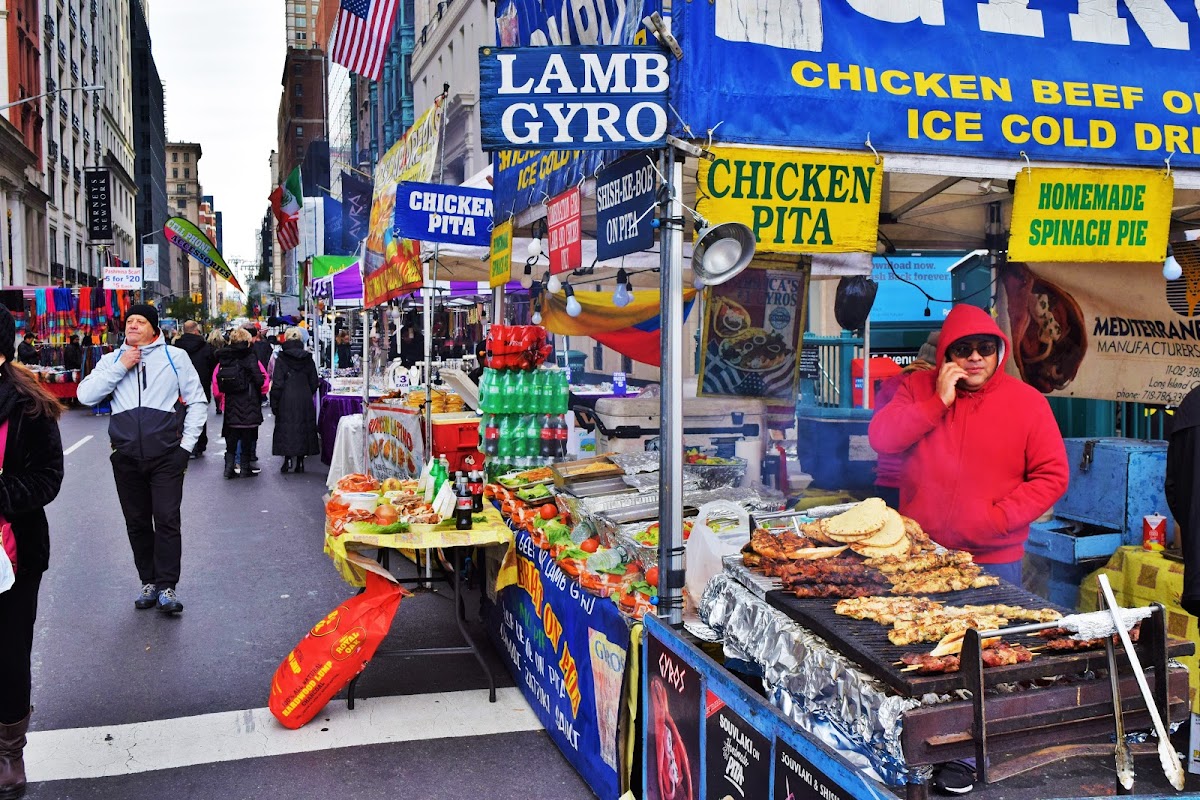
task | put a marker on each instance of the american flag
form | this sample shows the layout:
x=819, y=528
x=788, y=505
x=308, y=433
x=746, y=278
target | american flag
x=362, y=33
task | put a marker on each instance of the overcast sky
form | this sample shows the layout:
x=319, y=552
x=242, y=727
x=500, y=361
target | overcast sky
x=221, y=64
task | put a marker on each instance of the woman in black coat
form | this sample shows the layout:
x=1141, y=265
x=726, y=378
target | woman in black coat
x=292, y=388
x=243, y=389
x=31, y=477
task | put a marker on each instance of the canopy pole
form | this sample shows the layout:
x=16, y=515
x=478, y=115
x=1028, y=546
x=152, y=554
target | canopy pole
x=670, y=475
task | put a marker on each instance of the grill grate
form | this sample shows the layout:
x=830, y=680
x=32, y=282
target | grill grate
x=866, y=642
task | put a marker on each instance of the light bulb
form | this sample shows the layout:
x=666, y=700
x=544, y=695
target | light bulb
x=534, y=248
x=527, y=277
x=621, y=296
x=629, y=292
x=554, y=285
x=1171, y=269
x=573, y=307
x=536, y=319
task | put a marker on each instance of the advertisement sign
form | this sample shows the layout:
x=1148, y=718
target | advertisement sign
x=410, y=159
x=1093, y=82
x=501, y=254
x=625, y=194
x=564, y=230
x=1091, y=215
x=390, y=281
x=433, y=212
x=149, y=262
x=1108, y=332
x=898, y=300
x=753, y=334
x=97, y=186
x=567, y=650
x=796, y=778
x=187, y=237
x=737, y=759
x=119, y=275
x=673, y=717
x=395, y=442
x=794, y=202
x=573, y=98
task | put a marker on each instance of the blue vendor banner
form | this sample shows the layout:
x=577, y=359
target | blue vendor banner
x=625, y=194
x=434, y=212
x=1096, y=82
x=567, y=650
x=524, y=178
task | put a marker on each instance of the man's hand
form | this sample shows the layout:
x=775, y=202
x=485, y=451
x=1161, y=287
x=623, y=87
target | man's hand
x=131, y=358
x=947, y=382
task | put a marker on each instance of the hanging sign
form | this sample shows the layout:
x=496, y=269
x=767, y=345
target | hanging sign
x=564, y=229
x=433, y=212
x=573, y=98
x=501, y=256
x=97, y=183
x=625, y=194
x=395, y=277
x=1090, y=215
x=395, y=441
x=1094, y=82
x=794, y=202
x=737, y=759
x=119, y=275
x=149, y=262
x=187, y=237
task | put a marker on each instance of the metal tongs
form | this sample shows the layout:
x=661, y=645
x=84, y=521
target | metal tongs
x=1166, y=751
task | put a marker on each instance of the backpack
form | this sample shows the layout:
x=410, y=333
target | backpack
x=231, y=379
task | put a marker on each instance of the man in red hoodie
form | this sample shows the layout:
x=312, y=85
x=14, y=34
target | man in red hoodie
x=984, y=456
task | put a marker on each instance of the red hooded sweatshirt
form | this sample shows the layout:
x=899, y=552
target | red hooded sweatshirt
x=978, y=472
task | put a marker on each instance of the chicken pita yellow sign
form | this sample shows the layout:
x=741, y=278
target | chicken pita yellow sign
x=795, y=202
x=1081, y=215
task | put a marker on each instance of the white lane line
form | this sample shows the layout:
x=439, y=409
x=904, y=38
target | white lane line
x=77, y=445
x=105, y=751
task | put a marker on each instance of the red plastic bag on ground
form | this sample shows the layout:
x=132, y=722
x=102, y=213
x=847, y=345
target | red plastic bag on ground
x=335, y=650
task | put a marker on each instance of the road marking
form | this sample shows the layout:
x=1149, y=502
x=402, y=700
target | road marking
x=77, y=445
x=105, y=751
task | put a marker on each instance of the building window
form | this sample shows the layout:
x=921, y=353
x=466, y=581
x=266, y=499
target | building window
x=187, y=174
x=299, y=109
x=174, y=158
x=298, y=68
x=301, y=22
x=181, y=188
x=299, y=131
x=181, y=203
x=301, y=36
x=175, y=171
x=299, y=90
x=187, y=158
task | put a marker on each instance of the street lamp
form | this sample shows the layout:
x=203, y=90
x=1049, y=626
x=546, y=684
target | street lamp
x=96, y=88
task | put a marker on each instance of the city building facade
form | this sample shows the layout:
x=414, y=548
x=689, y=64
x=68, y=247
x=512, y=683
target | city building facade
x=184, y=197
x=301, y=122
x=302, y=22
x=391, y=98
x=150, y=168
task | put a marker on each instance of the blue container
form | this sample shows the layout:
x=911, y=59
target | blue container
x=833, y=448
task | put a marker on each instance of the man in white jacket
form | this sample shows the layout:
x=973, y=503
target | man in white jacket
x=158, y=411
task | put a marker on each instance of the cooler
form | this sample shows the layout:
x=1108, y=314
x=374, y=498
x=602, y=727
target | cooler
x=456, y=435
x=832, y=445
x=882, y=368
x=624, y=424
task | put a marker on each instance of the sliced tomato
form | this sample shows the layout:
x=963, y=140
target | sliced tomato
x=590, y=545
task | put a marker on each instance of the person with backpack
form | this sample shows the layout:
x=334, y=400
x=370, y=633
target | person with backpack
x=204, y=359
x=158, y=408
x=242, y=381
x=293, y=384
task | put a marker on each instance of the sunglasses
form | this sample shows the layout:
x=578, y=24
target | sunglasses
x=985, y=348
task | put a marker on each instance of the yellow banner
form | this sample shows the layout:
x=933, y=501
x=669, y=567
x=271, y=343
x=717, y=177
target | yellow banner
x=794, y=202
x=1091, y=215
x=501, y=254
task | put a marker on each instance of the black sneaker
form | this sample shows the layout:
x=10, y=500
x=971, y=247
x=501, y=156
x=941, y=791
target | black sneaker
x=954, y=778
x=147, y=597
x=168, y=603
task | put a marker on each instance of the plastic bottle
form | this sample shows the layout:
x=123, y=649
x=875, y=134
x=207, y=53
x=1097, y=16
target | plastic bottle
x=438, y=473
x=533, y=436
x=562, y=434
x=443, y=470
x=491, y=435
x=475, y=485
x=485, y=391
x=462, y=506
x=548, y=445
x=542, y=392
x=562, y=393
x=509, y=389
x=604, y=559
x=504, y=448
x=525, y=393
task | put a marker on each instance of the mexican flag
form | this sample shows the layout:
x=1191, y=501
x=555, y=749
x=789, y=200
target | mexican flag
x=286, y=202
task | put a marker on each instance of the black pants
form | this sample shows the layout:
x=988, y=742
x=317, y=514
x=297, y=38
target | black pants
x=202, y=442
x=18, y=610
x=247, y=437
x=151, y=492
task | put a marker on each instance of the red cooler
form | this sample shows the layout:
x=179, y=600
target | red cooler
x=881, y=369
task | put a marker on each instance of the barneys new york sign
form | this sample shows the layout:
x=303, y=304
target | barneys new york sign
x=573, y=98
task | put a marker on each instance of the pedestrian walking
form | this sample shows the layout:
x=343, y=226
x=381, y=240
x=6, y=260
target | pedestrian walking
x=158, y=409
x=216, y=340
x=204, y=359
x=293, y=385
x=242, y=381
x=32, y=459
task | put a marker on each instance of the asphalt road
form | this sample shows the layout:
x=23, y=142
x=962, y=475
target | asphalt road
x=133, y=703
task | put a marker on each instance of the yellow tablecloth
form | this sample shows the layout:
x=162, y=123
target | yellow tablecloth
x=420, y=537
x=1140, y=577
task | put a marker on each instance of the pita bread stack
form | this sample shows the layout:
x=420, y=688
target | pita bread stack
x=870, y=529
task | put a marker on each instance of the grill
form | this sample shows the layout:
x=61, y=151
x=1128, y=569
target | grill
x=865, y=642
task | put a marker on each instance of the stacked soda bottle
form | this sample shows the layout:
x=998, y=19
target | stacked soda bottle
x=524, y=407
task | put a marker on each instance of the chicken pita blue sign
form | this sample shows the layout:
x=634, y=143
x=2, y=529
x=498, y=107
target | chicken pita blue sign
x=625, y=193
x=573, y=98
x=1100, y=81
x=433, y=212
